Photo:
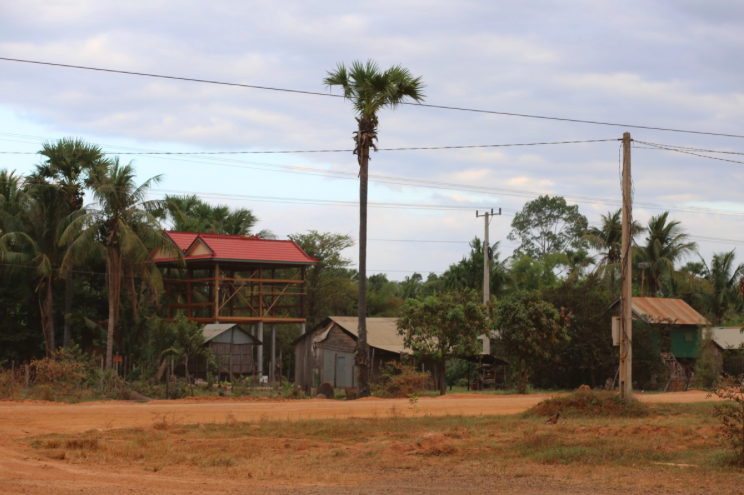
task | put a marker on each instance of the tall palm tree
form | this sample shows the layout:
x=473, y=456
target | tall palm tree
x=607, y=240
x=723, y=275
x=72, y=164
x=370, y=90
x=123, y=227
x=666, y=244
x=30, y=238
x=191, y=214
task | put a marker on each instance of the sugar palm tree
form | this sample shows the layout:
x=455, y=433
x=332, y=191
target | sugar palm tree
x=121, y=226
x=72, y=164
x=607, y=240
x=191, y=214
x=370, y=90
x=666, y=244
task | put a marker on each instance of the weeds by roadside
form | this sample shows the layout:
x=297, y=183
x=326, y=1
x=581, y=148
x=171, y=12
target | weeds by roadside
x=588, y=403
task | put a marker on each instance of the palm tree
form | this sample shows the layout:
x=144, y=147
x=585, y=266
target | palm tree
x=122, y=226
x=72, y=164
x=30, y=239
x=607, y=240
x=666, y=244
x=369, y=90
x=191, y=214
x=723, y=276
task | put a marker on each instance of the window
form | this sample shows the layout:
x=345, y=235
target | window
x=688, y=336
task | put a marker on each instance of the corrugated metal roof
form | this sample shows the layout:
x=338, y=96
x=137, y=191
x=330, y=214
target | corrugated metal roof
x=212, y=330
x=728, y=337
x=240, y=248
x=382, y=333
x=662, y=310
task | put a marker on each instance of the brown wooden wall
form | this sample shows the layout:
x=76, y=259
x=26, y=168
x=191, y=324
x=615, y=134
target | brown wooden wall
x=243, y=362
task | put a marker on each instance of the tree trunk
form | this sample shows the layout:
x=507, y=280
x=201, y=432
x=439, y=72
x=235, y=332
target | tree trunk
x=361, y=351
x=613, y=289
x=46, y=308
x=69, y=287
x=442, y=383
x=523, y=375
x=113, y=277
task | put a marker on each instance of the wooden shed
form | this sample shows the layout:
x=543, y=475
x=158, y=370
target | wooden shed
x=327, y=351
x=233, y=349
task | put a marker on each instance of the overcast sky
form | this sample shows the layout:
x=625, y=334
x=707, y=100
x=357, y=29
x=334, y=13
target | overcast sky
x=670, y=64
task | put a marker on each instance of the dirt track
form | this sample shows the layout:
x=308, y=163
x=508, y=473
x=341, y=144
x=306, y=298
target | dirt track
x=21, y=471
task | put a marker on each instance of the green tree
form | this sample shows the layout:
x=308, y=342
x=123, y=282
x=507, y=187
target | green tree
x=123, y=228
x=722, y=275
x=468, y=273
x=192, y=214
x=327, y=282
x=536, y=274
x=548, y=225
x=370, y=90
x=530, y=330
x=666, y=244
x=186, y=343
x=72, y=164
x=443, y=326
x=31, y=237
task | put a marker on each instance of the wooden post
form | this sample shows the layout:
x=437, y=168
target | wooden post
x=189, y=276
x=335, y=369
x=230, y=357
x=28, y=376
x=101, y=377
x=626, y=295
x=486, y=272
x=260, y=351
x=168, y=290
x=217, y=294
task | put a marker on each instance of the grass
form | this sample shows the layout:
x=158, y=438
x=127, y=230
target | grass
x=352, y=450
x=587, y=403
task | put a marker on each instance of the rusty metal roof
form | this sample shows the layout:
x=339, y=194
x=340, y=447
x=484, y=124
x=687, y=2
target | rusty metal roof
x=661, y=310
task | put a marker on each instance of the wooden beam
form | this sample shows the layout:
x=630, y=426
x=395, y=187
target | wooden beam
x=216, y=291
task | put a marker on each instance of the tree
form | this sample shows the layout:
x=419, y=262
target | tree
x=607, y=240
x=370, y=90
x=326, y=281
x=187, y=343
x=666, y=244
x=548, y=225
x=529, y=330
x=31, y=238
x=723, y=275
x=468, y=273
x=73, y=164
x=192, y=214
x=123, y=227
x=443, y=326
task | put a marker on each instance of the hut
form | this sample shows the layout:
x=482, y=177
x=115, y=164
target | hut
x=233, y=349
x=728, y=343
x=327, y=351
x=236, y=279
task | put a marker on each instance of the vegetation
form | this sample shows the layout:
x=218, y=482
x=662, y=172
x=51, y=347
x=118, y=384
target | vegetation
x=589, y=404
x=370, y=90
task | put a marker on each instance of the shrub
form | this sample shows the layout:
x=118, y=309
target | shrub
x=11, y=384
x=706, y=369
x=731, y=416
x=587, y=403
x=60, y=376
x=399, y=380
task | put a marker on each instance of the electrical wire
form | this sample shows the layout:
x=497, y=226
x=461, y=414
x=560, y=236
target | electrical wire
x=316, y=93
x=660, y=147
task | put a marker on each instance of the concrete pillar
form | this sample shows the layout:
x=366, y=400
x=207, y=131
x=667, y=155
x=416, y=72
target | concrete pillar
x=259, y=360
x=272, y=369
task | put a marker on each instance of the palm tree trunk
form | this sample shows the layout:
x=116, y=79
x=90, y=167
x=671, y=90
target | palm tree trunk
x=113, y=276
x=46, y=308
x=442, y=383
x=68, y=306
x=362, y=348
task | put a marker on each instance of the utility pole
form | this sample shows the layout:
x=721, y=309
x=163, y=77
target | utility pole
x=626, y=293
x=486, y=254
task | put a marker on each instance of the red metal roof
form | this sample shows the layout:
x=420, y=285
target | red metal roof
x=662, y=310
x=240, y=248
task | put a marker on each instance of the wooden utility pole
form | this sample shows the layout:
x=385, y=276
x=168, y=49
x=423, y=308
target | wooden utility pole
x=626, y=292
x=486, y=254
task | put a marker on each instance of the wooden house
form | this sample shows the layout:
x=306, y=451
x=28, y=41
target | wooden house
x=234, y=350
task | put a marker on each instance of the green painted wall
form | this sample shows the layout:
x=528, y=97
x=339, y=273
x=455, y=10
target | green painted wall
x=684, y=342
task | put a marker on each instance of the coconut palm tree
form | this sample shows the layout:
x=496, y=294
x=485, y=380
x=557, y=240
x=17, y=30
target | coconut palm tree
x=724, y=276
x=72, y=164
x=30, y=239
x=369, y=90
x=666, y=244
x=123, y=227
x=607, y=240
x=191, y=214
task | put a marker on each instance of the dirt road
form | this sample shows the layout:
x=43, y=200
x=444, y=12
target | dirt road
x=22, y=470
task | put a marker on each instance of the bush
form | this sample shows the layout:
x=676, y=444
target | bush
x=398, y=381
x=706, y=369
x=11, y=384
x=58, y=377
x=731, y=416
x=587, y=403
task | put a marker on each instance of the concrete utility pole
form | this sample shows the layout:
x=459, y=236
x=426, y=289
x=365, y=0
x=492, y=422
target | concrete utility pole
x=626, y=292
x=486, y=254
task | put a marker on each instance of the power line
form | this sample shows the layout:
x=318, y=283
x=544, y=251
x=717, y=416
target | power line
x=266, y=152
x=316, y=93
x=678, y=150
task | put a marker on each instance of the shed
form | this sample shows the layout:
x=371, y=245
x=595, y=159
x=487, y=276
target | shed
x=684, y=322
x=729, y=342
x=327, y=351
x=233, y=349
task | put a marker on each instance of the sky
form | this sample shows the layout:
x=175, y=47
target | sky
x=673, y=64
